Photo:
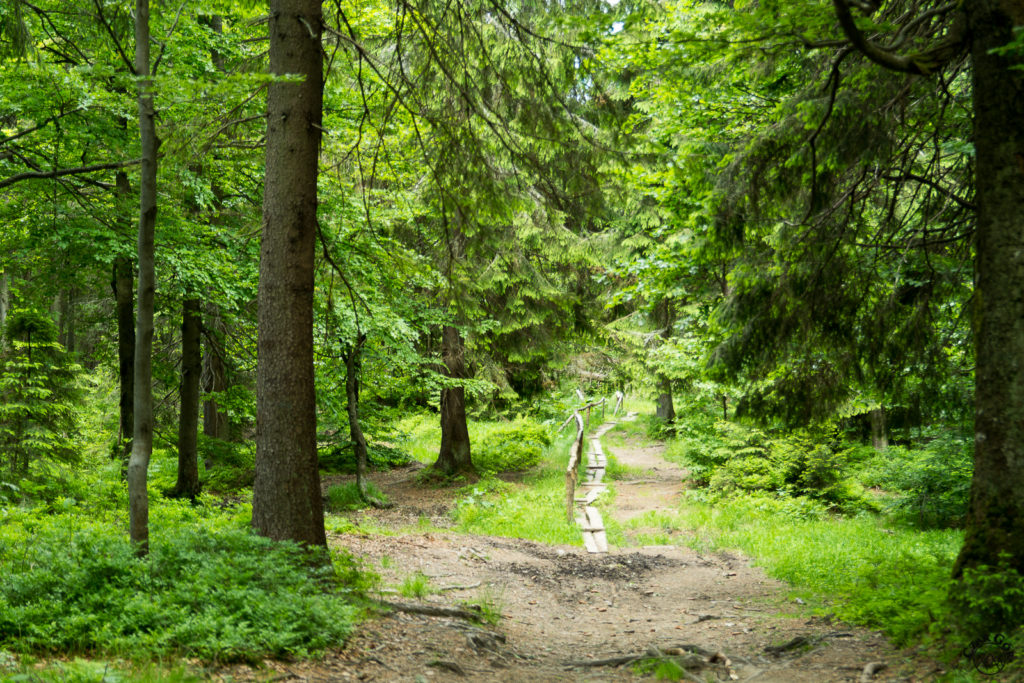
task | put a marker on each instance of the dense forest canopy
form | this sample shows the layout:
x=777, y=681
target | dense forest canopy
x=249, y=233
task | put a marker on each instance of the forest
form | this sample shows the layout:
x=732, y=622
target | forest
x=299, y=301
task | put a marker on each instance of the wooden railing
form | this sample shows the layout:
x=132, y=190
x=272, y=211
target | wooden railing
x=572, y=470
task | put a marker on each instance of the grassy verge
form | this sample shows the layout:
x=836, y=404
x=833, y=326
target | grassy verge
x=210, y=589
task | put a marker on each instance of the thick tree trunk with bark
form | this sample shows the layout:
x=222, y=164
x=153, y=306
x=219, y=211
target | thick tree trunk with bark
x=454, y=456
x=995, y=520
x=188, y=421
x=287, y=501
x=142, y=440
x=215, y=420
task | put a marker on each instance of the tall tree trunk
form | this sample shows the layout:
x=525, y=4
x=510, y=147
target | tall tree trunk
x=666, y=409
x=67, y=319
x=879, y=433
x=353, y=363
x=287, y=501
x=124, y=302
x=5, y=300
x=142, y=440
x=215, y=420
x=188, y=422
x=454, y=456
x=995, y=519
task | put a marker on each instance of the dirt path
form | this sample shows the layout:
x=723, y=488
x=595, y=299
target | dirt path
x=560, y=604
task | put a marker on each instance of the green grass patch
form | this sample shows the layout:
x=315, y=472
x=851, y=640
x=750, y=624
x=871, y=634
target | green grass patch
x=892, y=578
x=533, y=509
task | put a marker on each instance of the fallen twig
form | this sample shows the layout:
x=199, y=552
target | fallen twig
x=432, y=610
x=870, y=669
x=799, y=641
x=459, y=587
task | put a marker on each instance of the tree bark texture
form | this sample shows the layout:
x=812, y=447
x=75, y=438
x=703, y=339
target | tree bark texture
x=142, y=440
x=188, y=421
x=123, y=284
x=995, y=520
x=879, y=433
x=666, y=409
x=5, y=300
x=352, y=364
x=454, y=456
x=124, y=303
x=287, y=501
x=215, y=419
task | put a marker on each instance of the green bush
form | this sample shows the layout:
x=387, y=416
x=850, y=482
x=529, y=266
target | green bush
x=346, y=496
x=989, y=602
x=229, y=465
x=67, y=586
x=513, y=446
x=342, y=457
x=735, y=457
x=932, y=483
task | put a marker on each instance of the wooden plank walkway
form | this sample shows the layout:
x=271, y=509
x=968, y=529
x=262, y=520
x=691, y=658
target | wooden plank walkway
x=588, y=517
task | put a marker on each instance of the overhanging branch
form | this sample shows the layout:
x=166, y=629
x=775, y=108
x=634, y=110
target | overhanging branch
x=60, y=172
x=920, y=63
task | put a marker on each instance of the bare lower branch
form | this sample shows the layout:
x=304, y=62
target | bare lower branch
x=60, y=172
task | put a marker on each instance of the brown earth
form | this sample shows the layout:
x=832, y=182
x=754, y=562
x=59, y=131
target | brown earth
x=560, y=605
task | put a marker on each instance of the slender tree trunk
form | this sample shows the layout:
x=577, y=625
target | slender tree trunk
x=666, y=410
x=353, y=362
x=215, y=420
x=879, y=433
x=5, y=300
x=995, y=519
x=142, y=440
x=188, y=422
x=454, y=456
x=287, y=501
x=124, y=302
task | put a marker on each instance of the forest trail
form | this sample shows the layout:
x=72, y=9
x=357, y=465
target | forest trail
x=560, y=604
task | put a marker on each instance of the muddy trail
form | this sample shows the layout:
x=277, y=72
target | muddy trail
x=569, y=615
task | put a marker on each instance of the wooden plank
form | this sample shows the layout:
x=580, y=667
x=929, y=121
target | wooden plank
x=601, y=541
x=590, y=542
x=594, y=517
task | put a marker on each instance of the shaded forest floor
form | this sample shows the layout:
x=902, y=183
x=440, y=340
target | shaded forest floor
x=559, y=604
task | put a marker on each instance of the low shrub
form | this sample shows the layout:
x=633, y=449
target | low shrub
x=69, y=586
x=346, y=496
x=342, y=457
x=931, y=483
x=513, y=446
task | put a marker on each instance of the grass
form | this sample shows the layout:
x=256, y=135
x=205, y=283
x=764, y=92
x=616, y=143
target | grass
x=346, y=496
x=862, y=569
x=416, y=585
x=27, y=670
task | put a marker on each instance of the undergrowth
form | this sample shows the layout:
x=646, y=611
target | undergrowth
x=209, y=588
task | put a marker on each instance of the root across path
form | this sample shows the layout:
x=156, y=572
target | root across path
x=570, y=615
